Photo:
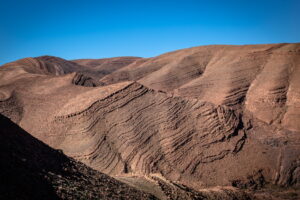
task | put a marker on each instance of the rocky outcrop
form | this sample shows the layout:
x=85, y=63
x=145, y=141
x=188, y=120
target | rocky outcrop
x=174, y=125
x=83, y=80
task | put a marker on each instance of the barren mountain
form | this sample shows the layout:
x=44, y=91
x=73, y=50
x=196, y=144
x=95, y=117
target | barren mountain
x=32, y=170
x=189, y=121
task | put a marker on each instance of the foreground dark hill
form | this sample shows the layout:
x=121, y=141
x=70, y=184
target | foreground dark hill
x=205, y=117
x=29, y=169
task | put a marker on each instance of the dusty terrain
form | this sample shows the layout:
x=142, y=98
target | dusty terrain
x=209, y=122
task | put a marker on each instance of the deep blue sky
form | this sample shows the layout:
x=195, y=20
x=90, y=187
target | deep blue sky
x=106, y=28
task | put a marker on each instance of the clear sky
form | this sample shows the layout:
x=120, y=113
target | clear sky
x=107, y=28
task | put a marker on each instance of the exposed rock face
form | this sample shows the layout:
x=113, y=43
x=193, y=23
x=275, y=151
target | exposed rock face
x=202, y=117
x=143, y=131
x=83, y=80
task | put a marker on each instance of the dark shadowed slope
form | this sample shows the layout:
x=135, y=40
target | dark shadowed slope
x=29, y=169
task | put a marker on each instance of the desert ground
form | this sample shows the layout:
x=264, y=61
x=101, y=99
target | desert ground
x=208, y=122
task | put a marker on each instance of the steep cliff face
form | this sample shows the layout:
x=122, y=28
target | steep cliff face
x=202, y=117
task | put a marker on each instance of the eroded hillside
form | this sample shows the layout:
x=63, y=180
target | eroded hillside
x=210, y=116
